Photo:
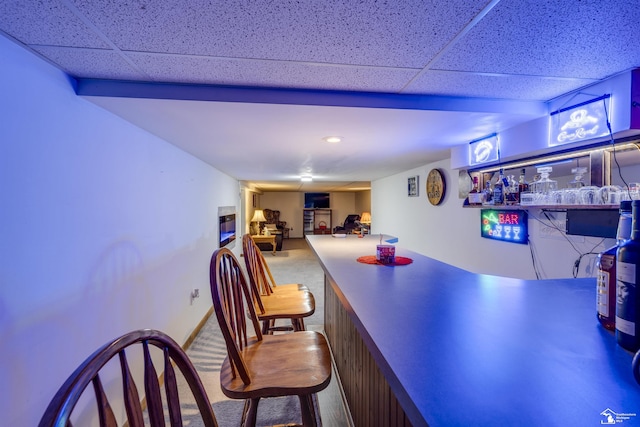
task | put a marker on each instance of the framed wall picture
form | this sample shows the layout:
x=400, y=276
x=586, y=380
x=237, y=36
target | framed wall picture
x=413, y=185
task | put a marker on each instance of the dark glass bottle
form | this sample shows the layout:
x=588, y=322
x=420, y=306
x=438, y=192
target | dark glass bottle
x=498, y=190
x=487, y=194
x=523, y=185
x=606, y=279
x=628, y=277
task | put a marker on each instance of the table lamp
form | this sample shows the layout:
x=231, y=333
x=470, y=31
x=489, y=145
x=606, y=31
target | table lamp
x=258, y=216
x=365, y=223
x=365, y=218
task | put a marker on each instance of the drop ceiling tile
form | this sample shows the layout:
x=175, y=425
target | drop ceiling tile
x=562, y=38
x=46, y=22
x=493, y=86
x=204, y=70
x=91, y=63
x=405, y=33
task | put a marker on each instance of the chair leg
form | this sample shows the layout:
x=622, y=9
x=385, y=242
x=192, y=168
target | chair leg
x=315, y=409
x=298, y=324
x=266, y=324
x=250, y=412
x=308, y=411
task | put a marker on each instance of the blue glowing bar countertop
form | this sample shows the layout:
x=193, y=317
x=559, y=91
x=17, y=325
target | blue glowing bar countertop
x=463, y=349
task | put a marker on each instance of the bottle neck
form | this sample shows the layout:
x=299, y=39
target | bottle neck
x=624, y=227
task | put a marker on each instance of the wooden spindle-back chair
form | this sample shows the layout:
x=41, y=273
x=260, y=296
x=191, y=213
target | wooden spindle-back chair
x=259, y=272
x=60, y=409
x=290, y=301
x=261, y=366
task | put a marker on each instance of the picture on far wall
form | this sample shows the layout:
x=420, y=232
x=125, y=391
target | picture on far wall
x=413, y=185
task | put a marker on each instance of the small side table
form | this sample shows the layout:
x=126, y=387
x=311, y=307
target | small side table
x=266, y=239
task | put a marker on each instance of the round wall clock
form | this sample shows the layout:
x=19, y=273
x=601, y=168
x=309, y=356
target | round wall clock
x=436, y=187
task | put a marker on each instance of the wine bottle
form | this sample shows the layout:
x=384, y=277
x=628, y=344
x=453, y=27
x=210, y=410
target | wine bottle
x=606, y=278
x=628, y=277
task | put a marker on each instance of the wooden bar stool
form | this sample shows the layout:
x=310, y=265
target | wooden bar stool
x=273, y=302
x=261, y=366
x=60, y=409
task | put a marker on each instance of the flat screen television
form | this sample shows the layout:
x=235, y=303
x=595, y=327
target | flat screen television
x=316, y=200
x=227, y=228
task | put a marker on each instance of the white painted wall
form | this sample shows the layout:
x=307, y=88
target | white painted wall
x=342, y=205
x=105, y=229
x=451, y=233
x=363, y=202
x=290, y=204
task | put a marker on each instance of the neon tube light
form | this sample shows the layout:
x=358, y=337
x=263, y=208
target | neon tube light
x=580, y=122
x=484, y=150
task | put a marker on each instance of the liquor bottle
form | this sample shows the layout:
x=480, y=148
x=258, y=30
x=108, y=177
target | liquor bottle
x=475, y=196
x=487, y=194
x=606, y=278
x=511, y=193
x=498, y=190
x=523, y=185
x=628, y=277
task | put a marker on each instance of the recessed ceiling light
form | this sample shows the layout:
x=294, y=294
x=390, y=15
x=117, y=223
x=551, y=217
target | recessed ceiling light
x=306, y=178
x=332, y=139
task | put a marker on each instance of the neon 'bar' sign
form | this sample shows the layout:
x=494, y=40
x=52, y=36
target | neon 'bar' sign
x=483, y=150
x=505, y=225
x=580, y=122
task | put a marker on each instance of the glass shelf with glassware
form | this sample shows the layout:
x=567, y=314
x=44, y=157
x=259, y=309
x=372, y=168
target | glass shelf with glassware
x=596, y=178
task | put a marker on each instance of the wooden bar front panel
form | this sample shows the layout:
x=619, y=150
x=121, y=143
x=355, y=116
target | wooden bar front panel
x=370, y=399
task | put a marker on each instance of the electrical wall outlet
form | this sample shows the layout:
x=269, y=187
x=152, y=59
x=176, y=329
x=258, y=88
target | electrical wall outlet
x=193, y=295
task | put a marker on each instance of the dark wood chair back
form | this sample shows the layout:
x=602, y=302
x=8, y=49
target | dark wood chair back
x=230, y=292
x=59, y=411
x=260, y=277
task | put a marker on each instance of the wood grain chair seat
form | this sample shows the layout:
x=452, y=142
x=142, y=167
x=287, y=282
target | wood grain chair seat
x=262, y=366
x=142, y=343
x=273, y=302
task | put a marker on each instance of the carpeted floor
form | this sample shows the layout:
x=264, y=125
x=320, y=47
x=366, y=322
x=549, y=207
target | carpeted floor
x=296, y=263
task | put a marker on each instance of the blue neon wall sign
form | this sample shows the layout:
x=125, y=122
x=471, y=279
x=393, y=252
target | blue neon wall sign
x=580, y=122
x=484, y=150
x=505, y=225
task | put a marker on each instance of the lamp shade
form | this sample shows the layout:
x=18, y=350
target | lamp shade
x=365, y=218
x=258, y=216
